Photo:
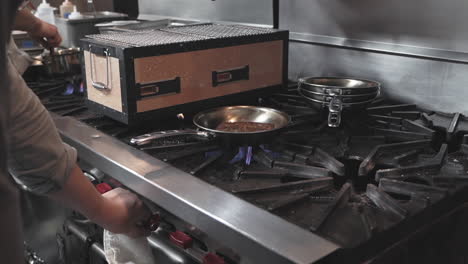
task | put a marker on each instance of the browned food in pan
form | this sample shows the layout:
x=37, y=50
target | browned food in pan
x=244, y=126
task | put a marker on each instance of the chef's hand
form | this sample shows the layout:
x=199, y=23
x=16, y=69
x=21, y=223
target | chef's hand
x=123, y=212
x=46, y=34
x=39, y=30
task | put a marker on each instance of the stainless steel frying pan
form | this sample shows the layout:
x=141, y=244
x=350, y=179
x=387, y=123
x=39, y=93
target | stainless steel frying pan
x=209, y=120
x=339, y=86
x=338, y=94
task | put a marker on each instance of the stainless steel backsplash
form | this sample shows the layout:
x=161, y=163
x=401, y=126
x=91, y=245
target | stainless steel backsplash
x=435, y=85
x=246, y=11
x=417, y=49
x=424, y=23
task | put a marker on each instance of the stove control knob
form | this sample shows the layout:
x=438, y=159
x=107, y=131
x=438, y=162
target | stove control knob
x=103, y=187
x=97, y=174
x=181, y=239
x=212, y=258
x=153, y=222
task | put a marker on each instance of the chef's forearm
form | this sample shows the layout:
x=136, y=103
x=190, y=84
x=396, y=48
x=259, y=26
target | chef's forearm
x=26, y=21
x=79, y=194
x=117, y=210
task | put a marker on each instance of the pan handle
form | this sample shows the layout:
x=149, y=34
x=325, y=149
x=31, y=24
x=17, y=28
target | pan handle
x=334, y=116
x=147, y=138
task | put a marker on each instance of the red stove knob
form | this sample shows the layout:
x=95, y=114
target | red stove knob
x=103, y=187
x=181, y=239
x=211, y=258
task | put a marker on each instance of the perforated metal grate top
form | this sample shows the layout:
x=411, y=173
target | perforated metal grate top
x=178, y=35
x=219, y=31
x=145, y=38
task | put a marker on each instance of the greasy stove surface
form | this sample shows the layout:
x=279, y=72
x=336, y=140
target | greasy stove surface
x=383, y=167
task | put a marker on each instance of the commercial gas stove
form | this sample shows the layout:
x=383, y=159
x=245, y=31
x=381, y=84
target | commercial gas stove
x=378, y=189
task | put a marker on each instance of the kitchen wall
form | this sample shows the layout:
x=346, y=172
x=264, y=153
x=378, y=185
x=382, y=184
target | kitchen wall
x=247, y=11
x=426, y=23
x=417, y=49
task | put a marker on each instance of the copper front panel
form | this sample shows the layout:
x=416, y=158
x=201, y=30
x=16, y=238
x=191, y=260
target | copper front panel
x=265, y=61
x=111, y=98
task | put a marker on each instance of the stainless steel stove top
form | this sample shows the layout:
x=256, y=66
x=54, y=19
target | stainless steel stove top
x=385, y=169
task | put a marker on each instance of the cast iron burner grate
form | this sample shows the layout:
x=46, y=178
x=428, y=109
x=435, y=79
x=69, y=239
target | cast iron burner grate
x=384, y=166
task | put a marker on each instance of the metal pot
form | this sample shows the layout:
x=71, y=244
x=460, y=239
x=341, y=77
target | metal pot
x=60, y=62
x=209, y=120
x=338, y=94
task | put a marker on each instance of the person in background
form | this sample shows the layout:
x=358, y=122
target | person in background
x=32, y=151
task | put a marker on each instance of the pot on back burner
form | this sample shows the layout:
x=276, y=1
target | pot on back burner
x=338, y=94
x=60, y=62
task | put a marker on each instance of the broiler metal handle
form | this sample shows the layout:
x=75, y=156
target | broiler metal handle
x=99, y=85
x=147, y=138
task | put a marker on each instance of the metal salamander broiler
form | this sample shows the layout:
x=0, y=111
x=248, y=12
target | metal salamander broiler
x=151, y=74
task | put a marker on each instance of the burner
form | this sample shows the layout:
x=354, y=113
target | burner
x=244, y=154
